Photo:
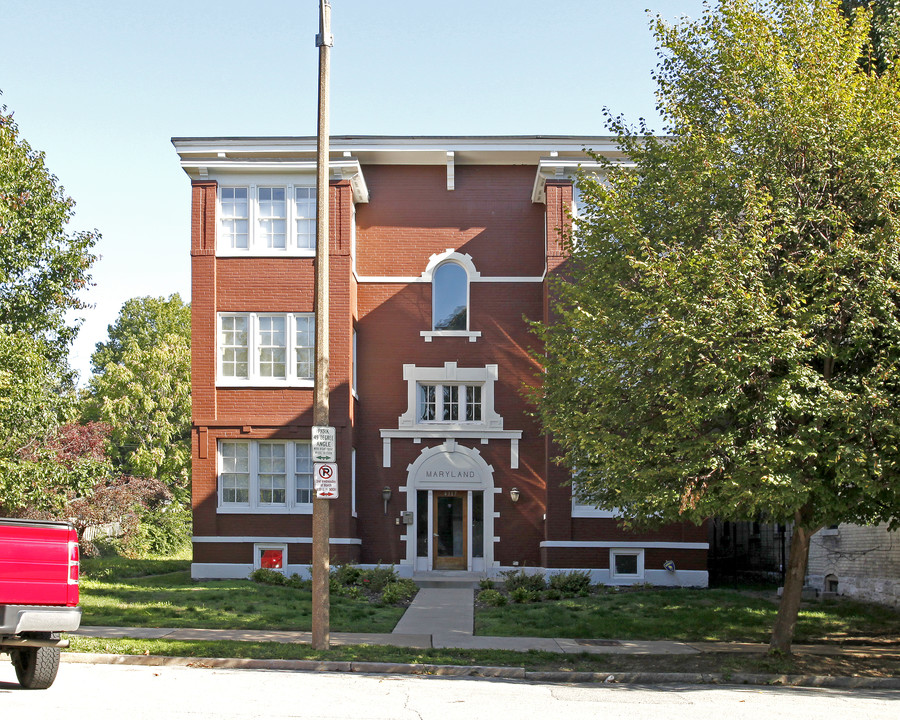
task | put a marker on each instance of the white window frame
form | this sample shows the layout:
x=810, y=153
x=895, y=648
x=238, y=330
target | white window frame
x=256, y=245
x=465, y=262
x=260, y=548
x=254, y=378
x=461, y=403
x=450, y=374
x=254, y=505
x=639, y=553
x=582, y=510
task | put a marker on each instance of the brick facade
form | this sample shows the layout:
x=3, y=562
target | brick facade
x=394, y=222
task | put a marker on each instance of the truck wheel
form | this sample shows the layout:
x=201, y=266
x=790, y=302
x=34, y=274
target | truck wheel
x=36, y=667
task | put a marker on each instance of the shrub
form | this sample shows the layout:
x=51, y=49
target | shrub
x=492, y=597
x=163, y=530
x=514, y=579
x=399, y=591
x=347, y=574
x=553, y=594
x=295, y=581
x=523, y=595
x=377, y=578
x=486, y=584
x=572, y=582
x=267, y=576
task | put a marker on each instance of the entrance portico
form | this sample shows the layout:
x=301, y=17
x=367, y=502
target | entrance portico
x=450, y=491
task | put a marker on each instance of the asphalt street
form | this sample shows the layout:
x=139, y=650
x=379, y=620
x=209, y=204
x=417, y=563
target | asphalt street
x=197, y=693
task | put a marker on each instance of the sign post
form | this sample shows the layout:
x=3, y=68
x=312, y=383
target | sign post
x=321, y=530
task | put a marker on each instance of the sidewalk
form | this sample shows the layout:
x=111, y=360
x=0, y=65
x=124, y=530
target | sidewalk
x=444, y=618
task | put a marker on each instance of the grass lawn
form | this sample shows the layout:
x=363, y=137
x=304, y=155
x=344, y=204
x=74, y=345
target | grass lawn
x=686, y=614
x=160, y=593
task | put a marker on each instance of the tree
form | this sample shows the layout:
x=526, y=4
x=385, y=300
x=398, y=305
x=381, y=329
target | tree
x=884, y=36
x=33, y=404
x=42, y=269
x=142, y=389
x=727, y=340
x=145, y=321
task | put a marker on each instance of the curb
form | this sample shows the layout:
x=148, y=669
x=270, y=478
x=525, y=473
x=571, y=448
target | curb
x=481, y=671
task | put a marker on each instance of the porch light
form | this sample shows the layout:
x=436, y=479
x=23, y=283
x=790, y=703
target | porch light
x=514, y=494
x=386, y=496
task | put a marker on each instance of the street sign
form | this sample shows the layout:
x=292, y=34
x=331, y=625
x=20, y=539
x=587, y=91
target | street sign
x=325, y=480
x=324, y=444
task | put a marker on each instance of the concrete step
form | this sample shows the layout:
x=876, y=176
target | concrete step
x=448, y=579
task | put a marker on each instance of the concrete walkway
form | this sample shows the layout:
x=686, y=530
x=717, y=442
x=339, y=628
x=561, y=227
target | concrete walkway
x=444, y=618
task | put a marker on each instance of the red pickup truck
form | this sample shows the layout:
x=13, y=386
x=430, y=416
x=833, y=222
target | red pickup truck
x=38, y=596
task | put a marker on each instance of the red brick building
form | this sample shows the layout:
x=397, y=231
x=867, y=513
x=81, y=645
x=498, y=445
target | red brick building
x=440, y=251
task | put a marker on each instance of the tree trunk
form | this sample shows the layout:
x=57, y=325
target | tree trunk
x=783, y=631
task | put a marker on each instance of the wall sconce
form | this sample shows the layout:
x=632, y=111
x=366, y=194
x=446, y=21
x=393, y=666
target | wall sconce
x=386, y=496
x=514, y=494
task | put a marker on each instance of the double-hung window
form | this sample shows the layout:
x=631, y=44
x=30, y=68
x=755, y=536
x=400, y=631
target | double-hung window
x=267, y=220
x=264, y=476
x=449, y=403
x=266, y=349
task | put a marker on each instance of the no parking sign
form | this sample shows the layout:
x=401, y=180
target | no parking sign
x=325, y=480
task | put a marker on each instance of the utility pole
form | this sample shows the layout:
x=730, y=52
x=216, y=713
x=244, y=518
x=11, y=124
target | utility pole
x=321, y=534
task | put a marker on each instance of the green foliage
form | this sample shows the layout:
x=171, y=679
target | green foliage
x=346, y=574
x=729, y=340
x=42, y=269
x=524, y=595
x=144, y=321
x=515, y=579
x=486, y=584
x=397, y=591
x=377, y=578
x=267, y=576
x=489, y=596
x=162, y=530
x=571, y=582
x=143, y=390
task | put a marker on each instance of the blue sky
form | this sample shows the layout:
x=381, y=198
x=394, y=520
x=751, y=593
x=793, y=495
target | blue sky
x=102, y=86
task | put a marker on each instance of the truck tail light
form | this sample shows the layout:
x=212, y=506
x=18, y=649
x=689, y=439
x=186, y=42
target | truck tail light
x=73, y=562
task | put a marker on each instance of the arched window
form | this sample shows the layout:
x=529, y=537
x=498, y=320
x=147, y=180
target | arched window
x=450, y=298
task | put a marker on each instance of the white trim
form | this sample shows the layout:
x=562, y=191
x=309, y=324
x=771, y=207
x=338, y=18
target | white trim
x=258, y=548
x=429, y=335
x=624, y=545
x=412, y=279
x=638, y=554
x=274, y=539
x=449, y=432
x=254, y=379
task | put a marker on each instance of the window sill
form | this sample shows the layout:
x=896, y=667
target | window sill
x=261, y=383
x=276, y=510
x=267, y=252
x=429, y=335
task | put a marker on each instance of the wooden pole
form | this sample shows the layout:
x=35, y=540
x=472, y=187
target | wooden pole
x=321, y=535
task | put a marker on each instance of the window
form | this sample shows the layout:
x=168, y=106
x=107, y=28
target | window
x=254, y=349
x=234, y=217
x=450, y=298
x=449, y=403
x=305, y=217
x=450, y=395
x=626, y=564
x=582, y=508
x=265, y=476
x=271, y=557
x=272, y=218
x=267, y=220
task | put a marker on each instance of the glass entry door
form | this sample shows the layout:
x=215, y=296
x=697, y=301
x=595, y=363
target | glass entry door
x=450, y=530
